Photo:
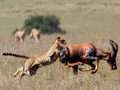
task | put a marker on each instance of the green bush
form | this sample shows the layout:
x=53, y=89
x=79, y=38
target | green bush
x=48, y=24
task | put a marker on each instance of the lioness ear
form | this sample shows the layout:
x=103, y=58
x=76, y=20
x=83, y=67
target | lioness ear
x=58, y=37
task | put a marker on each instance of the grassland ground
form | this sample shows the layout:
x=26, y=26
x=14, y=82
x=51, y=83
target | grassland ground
x=84, y=21
x=56, y=75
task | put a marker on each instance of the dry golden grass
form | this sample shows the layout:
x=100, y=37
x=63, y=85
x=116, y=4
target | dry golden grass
x=55, y=76
x=84, y=21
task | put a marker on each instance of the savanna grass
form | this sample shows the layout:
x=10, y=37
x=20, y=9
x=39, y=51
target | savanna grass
x=84, y=21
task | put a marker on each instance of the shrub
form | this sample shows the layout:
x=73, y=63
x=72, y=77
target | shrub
x=48, y=24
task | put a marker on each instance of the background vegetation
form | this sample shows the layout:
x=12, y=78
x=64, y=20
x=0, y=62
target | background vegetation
x=47, y=24
x=94, y=21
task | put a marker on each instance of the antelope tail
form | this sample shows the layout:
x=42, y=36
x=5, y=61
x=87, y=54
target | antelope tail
x=15, y=55
x=114, y=47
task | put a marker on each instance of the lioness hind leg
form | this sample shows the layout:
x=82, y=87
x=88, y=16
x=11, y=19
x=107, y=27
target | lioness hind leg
x=24, y=73
x=21, y=39
x=36, y=38
x=19, y=70
x=27, y=66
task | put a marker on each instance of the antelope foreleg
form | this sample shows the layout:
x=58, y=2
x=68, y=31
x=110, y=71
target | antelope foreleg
x=96, y=67
x=88, y=69
x=74, y=64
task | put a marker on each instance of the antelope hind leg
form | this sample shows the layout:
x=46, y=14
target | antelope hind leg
x=75, y=69
x=83, y=69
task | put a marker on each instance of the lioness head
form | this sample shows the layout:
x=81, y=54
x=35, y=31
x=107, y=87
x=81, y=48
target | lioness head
x=60, y=41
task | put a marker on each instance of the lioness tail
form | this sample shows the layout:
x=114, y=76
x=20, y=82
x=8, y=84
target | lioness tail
x=15, y=55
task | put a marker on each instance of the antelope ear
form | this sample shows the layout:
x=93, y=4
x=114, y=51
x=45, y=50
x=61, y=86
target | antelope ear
x=58, y=37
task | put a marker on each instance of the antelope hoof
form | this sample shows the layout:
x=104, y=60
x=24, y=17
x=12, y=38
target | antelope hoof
x=82, y=64
x=75, y=73
x=93, y=72
x=81, y=69
x=67, y=66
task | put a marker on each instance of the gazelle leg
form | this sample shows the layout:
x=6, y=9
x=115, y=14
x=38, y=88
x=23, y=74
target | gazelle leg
x=83, y=69
x=88, y=69
x=75, y=69
x=74, y=64
x=96, y=67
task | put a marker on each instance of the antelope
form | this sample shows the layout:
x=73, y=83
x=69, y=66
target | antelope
x=87, y=53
